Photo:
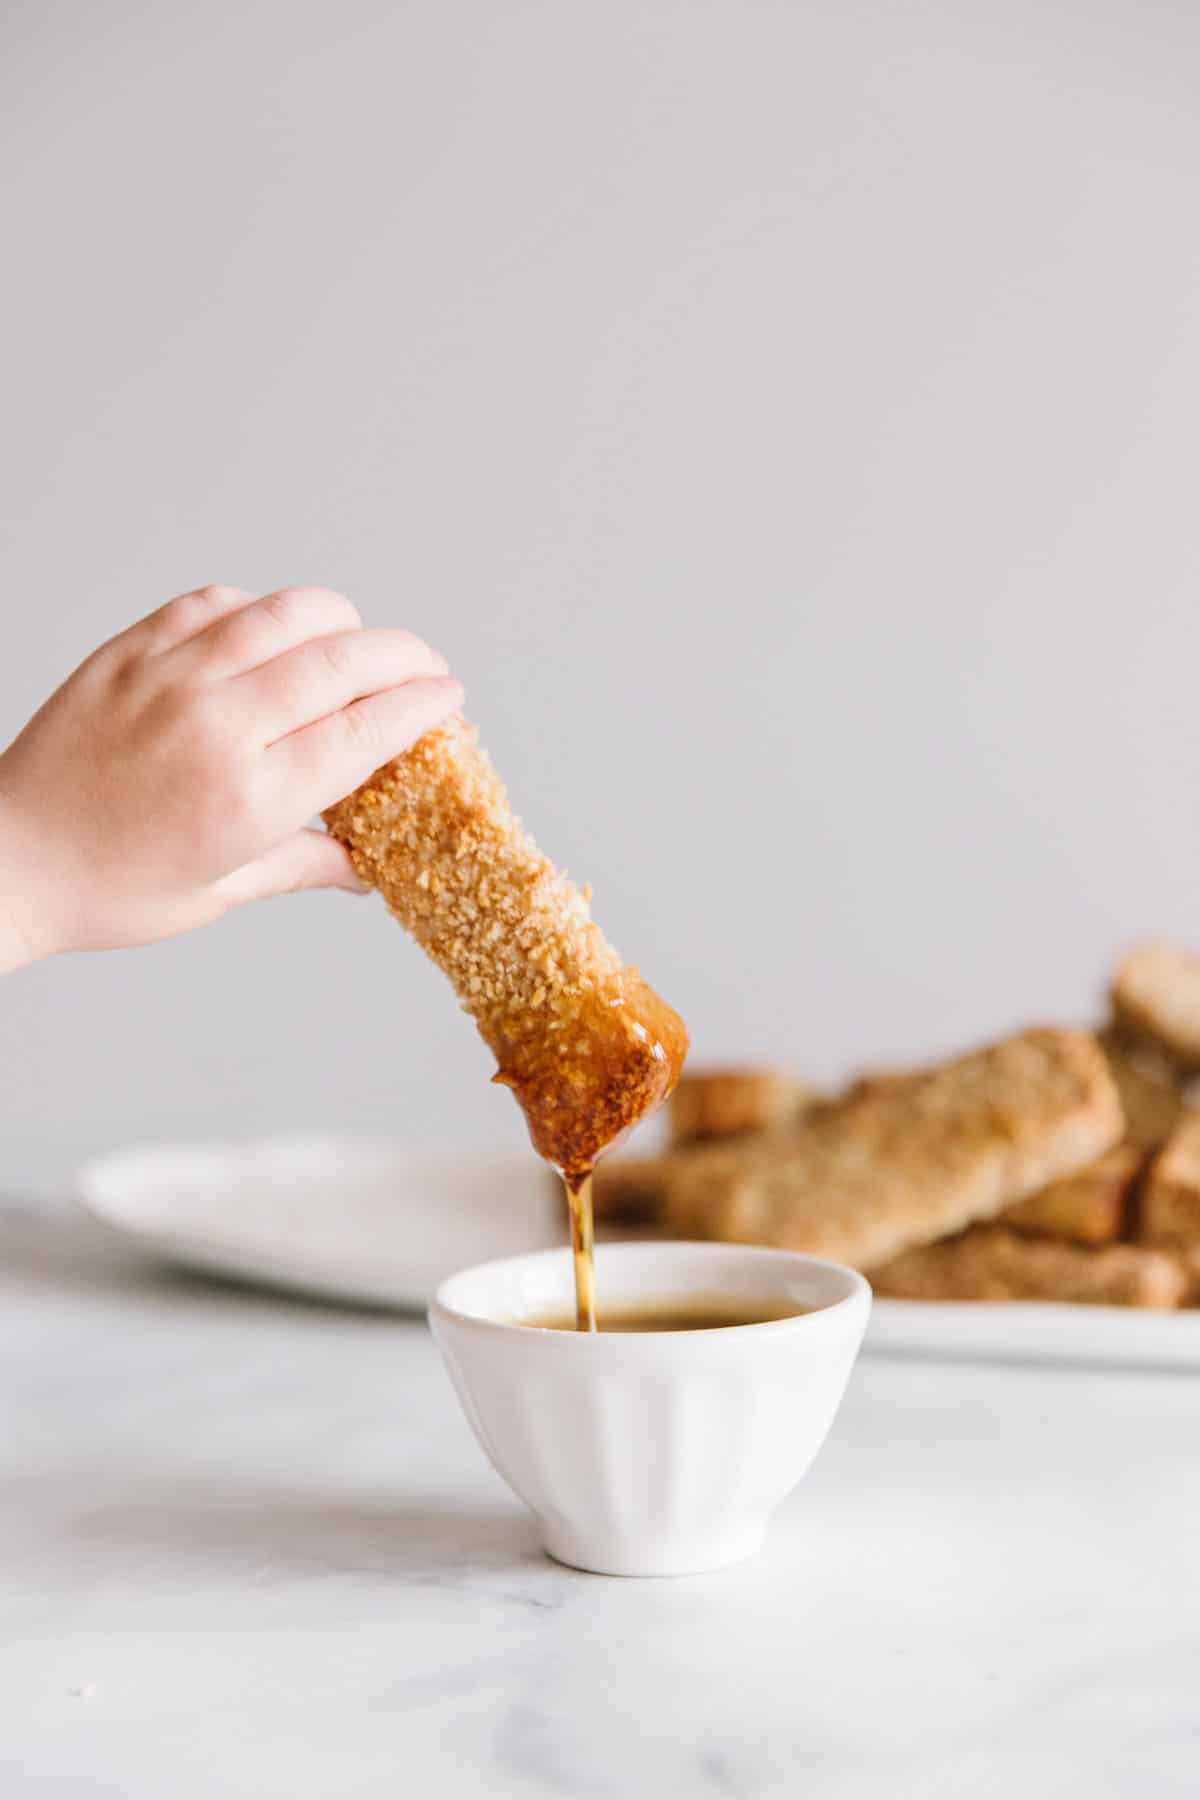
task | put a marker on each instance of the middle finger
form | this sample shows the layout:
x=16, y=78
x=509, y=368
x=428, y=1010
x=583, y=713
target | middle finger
x=321, y=677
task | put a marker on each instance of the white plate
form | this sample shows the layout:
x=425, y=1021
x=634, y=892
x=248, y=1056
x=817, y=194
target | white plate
x=342, y=1218
x=374, y=1223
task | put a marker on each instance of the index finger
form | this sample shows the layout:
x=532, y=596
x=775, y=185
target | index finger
x=326, y=761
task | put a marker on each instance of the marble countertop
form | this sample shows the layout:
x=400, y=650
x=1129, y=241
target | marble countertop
x=248, y=1547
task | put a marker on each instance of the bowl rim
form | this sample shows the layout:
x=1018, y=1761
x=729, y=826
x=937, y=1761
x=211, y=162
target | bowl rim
x=856, y=1299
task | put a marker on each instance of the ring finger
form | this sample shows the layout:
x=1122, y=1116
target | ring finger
x=183, y=619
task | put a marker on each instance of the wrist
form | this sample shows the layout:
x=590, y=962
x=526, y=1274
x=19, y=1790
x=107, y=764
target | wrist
x=15, y=951
x=24, y=917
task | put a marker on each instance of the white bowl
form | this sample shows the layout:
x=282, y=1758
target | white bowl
x=651, y=1453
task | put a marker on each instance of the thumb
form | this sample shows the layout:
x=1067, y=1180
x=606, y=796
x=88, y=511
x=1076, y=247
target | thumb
x=307, y=859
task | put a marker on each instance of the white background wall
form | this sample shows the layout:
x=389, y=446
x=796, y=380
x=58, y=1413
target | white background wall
x=783, y=415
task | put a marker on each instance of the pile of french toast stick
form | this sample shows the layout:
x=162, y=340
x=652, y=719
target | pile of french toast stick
x=1057, y=1164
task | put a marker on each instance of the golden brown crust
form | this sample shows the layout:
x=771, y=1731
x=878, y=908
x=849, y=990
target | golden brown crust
x=1090, y=1207
x=1187, y=1256
x=1156, y=997
x=882, y=1079
x=1171, y=1196
x=587, y=1048
x=907, y=1162
x=990, y=1263
x=1150, y=1100
x=731, y=1102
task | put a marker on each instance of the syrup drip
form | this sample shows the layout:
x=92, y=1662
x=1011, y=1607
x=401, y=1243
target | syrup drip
x=579, y=1205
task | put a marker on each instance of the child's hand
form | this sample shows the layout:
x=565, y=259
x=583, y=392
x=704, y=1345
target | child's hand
x=171, y=777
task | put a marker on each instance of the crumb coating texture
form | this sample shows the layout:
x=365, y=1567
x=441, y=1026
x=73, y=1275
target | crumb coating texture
x=908, y=1160
x=990, y=1263
x=587, y=1048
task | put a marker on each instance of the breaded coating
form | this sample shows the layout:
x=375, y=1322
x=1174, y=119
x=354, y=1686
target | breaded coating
x=1171, y=1195
x=1150, y=1100
x=883, y=1078
x=1090, y=1207
x=901, y=1164
x=1156, y=997
x=1188, y=1258
x=990, y=1263
x=720, y=1103
x=587, y=1048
